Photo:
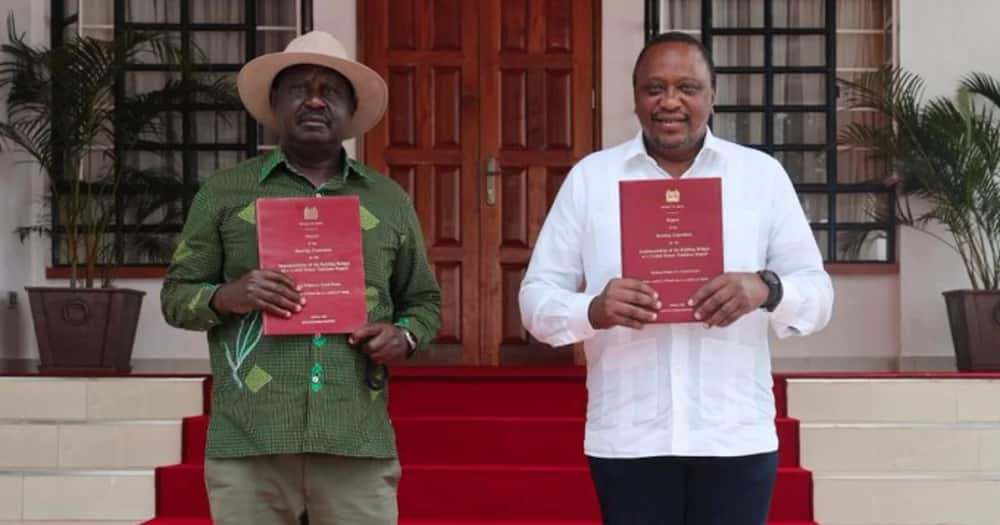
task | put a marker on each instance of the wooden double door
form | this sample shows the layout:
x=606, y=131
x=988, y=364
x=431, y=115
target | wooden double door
x=490, y=104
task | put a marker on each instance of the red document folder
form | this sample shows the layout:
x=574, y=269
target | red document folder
x=317, y=242
x=672, y=238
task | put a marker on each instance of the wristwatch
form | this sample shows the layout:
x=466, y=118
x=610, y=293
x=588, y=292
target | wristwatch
x=411, y=341
x=774, y=290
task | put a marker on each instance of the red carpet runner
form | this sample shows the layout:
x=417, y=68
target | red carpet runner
x=502, y=446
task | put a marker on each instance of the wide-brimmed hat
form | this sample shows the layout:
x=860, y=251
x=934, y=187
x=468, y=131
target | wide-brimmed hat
x=321, y=49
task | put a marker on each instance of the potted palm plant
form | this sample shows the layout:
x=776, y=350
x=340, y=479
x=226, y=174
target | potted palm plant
x=66, y=111
x=944, y=151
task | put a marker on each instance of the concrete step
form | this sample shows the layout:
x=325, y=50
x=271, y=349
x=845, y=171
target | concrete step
x=77, y=495
x=89, y=399
x=897, y=499
x=76, y=522
x=894, y=400
x=900, y=447
x=86, y=444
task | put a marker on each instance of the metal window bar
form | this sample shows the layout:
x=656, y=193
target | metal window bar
x=768, y=78
x=831, y=126
x=188, y=148
x=831, y=187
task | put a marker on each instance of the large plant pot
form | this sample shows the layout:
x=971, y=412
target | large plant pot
x=84, y=330
x=974, y=316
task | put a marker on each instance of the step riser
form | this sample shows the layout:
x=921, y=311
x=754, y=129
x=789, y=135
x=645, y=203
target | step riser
x=78, y=522
x=11, y=497
x=206, y=521
x=89, y=446
x=73, y=449
x=490, y=442
x=895, y=401
x=907, y=502
x=69, y=497
x=552, y=494
x=474, y=493
x=496, y=442
x=430, y=493
x=64, y=399
x=521, y=397
x=901, y=450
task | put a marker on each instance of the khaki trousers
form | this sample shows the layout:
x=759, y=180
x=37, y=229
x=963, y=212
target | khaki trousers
x=280, y=489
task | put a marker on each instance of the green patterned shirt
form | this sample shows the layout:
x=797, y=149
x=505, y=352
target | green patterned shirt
x=296, y=394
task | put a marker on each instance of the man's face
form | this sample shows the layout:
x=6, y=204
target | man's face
x=312, y=105
x=673, y=97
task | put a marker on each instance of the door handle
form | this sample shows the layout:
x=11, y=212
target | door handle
x=491, y=180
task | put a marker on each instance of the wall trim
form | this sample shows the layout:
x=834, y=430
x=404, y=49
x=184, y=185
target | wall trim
x=779, y=364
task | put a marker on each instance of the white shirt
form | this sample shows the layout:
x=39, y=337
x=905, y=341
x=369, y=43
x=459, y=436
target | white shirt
x=676, y=389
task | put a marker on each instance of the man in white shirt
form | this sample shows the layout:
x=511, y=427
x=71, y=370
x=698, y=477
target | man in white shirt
x=680, y=417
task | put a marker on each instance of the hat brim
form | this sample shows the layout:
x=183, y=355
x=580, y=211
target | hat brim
x=256, y=77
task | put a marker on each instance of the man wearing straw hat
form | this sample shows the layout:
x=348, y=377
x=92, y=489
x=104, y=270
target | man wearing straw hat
x=299, y=423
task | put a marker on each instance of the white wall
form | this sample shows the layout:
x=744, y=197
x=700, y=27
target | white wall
x=863, y=333
x=20, y=187
x=941, y=41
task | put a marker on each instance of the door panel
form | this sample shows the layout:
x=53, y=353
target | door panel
x=471, y=80
x=428, y=142
x=537, y=115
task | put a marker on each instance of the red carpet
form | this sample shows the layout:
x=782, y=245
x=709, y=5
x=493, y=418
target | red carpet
x=502, y=446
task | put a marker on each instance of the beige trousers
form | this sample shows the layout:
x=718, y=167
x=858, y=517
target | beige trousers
x=280, y=489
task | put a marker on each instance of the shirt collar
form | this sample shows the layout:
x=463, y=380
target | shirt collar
x=278, y=158
x=637, y=147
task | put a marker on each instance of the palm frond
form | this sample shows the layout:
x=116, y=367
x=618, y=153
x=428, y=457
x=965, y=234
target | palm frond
x=61, y=105
x=983, y=85
x=23, y=232
x=945, y=151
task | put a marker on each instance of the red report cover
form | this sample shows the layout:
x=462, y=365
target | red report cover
x=317, y=242
x=672, y=238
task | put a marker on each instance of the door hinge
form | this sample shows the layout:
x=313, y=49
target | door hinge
x=593, y=99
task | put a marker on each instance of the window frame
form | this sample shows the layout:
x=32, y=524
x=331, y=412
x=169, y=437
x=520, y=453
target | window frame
x=187, y=147
x=832, y=189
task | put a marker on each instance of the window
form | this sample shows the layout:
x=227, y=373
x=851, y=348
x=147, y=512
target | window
x=778, y=62
x=217, y=37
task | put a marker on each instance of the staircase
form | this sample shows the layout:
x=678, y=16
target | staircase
x=85, y=449
x=499, y=446
x=901, y=450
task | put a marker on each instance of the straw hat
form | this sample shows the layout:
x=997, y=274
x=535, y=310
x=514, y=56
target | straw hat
x=321, y=49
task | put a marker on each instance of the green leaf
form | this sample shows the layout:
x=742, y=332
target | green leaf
x=944, y=151
x=63, y=110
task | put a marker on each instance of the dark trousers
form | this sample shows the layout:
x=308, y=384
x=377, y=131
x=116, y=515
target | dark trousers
x=685, y=490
